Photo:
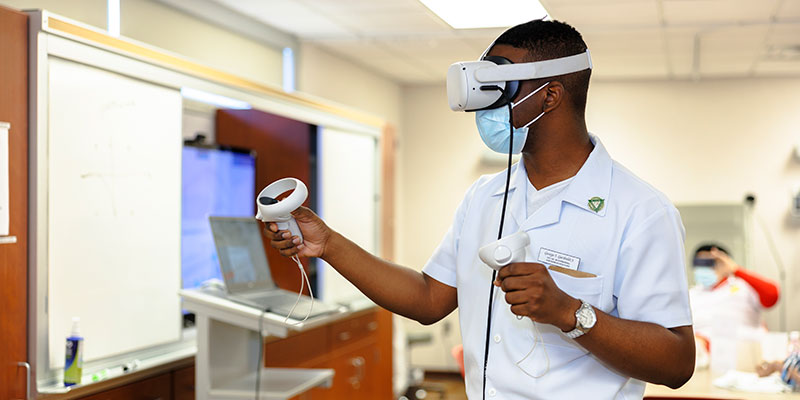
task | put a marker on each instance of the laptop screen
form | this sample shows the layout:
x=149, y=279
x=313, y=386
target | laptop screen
x=242, y=259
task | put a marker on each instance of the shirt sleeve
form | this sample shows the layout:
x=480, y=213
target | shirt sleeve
x=767, y=290
x=442, y=264
x=650, y=283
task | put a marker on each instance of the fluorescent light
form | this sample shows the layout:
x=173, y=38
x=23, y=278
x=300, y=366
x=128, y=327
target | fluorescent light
x=288, y=70
x=214, y=99
x=470, y=14
x=113, y=16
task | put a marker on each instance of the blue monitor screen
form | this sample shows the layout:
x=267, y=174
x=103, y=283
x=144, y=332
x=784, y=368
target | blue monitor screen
x=216, y=182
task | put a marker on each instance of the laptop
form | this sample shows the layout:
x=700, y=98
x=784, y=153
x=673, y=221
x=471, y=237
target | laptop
x=246, y=272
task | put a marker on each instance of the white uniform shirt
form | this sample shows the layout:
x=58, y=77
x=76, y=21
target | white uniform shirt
x=730, y=309
x=634, y=246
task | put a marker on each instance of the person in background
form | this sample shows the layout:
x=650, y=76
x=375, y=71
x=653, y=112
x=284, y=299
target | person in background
x=725, y=292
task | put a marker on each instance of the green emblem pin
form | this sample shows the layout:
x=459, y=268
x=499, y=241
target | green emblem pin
x=596, y=204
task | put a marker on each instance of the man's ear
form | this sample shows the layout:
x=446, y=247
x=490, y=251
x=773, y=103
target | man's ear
x=554, y=96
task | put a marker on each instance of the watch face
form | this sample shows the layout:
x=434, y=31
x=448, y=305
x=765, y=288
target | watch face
x=586, y=317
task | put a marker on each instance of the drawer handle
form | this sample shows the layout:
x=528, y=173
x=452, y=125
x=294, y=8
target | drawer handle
x=27, y=378
x=372, y=326
x=344, y=336
x=358, y=363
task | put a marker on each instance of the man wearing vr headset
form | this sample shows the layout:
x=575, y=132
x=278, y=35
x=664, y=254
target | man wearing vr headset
x=601, y=303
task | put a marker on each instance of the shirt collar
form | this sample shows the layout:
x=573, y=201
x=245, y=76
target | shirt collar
x=592, y=180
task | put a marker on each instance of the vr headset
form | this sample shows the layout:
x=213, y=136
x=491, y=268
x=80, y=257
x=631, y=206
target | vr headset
x=494, y=81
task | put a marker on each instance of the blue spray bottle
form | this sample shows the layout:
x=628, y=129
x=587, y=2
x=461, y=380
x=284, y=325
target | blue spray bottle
x=73, y=365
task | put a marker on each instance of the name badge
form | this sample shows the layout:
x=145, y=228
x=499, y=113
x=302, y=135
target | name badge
x=552, y=257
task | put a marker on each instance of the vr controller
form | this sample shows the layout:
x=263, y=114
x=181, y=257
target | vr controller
x=507, y=250
x=270, y=209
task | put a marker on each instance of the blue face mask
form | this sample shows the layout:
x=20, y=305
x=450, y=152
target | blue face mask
x=494, y=126
x=705, y=277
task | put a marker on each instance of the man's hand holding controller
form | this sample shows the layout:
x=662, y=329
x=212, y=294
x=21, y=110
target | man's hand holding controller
x=316, y=235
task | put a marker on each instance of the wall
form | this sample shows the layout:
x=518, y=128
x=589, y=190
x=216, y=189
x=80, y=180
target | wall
x=333, y=78
x=161, y=26
x=713, y=142
x=698, y=142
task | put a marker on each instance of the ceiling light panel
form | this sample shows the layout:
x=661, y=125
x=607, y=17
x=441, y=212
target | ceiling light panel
x=468, y=14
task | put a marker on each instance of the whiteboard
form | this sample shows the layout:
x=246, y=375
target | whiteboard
x=114, y=198
x=348, y=200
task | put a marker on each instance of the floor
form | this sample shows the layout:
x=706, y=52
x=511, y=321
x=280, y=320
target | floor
x=451, y=386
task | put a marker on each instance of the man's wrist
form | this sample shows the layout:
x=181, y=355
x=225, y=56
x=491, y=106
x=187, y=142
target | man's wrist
x=569, y=320
x=329, y=246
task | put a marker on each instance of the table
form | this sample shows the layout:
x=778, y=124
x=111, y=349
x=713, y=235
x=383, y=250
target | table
x=700, y=387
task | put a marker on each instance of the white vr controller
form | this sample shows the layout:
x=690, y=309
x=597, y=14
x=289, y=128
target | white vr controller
x=507, y=250
x=270, y=209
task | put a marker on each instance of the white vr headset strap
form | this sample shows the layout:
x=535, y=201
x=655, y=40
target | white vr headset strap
x=536, y=69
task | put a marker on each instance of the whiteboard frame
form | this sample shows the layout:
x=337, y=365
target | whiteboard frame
x=46, y=42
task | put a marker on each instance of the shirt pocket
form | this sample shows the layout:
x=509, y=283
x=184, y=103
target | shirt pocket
x=546, y=347
x=587, y=289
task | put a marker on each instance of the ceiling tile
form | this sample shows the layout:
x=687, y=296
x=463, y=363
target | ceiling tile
x=782, y=35
x=680, y=50
x=682, y=12
x=725, y=64
x=630, y=66
x=745, y=40
x=403, y=40
x=378, y=57
x=588, y=15
x=778, y=68
x=649, y=41
x=289, y=16
x=403, y=23
x=355, y=6
x=790, y=9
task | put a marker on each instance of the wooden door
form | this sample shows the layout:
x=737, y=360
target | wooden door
x=283, y=148
x=13, y=257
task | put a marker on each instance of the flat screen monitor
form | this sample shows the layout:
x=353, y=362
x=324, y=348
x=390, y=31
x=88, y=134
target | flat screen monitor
x=220, y=182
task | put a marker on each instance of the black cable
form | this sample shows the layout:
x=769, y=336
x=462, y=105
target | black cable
x=499, y=236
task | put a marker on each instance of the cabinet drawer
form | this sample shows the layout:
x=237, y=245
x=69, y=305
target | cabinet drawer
x=156, y=388
x=183, y=384
x=297, y=350
x=352, y=330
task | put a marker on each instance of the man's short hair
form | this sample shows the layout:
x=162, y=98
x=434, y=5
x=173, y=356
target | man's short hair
x=545, y=40
x=708, y=247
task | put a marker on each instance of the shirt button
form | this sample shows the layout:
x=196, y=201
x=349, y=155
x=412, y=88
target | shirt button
x=497, y=338
x=492, y=392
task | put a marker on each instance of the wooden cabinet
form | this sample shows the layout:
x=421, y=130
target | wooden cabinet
x=183, y=384
x=359, y=349
x=156, y=388
x=14, y=256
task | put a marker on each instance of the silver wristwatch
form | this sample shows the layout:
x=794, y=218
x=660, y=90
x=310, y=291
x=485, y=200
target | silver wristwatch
x=585, y=318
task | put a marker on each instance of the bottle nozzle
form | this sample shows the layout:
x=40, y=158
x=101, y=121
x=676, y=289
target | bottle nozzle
x=76, y=326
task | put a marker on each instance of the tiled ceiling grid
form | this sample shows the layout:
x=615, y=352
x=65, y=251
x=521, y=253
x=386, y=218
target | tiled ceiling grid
x=629, y=39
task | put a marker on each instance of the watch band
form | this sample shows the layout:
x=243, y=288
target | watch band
x=580, y=329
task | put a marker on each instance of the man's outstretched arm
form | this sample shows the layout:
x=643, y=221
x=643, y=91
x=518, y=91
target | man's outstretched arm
x=396, y=288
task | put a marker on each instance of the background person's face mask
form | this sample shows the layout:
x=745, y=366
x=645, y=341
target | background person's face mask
x=494, y=126
x=705, y=276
